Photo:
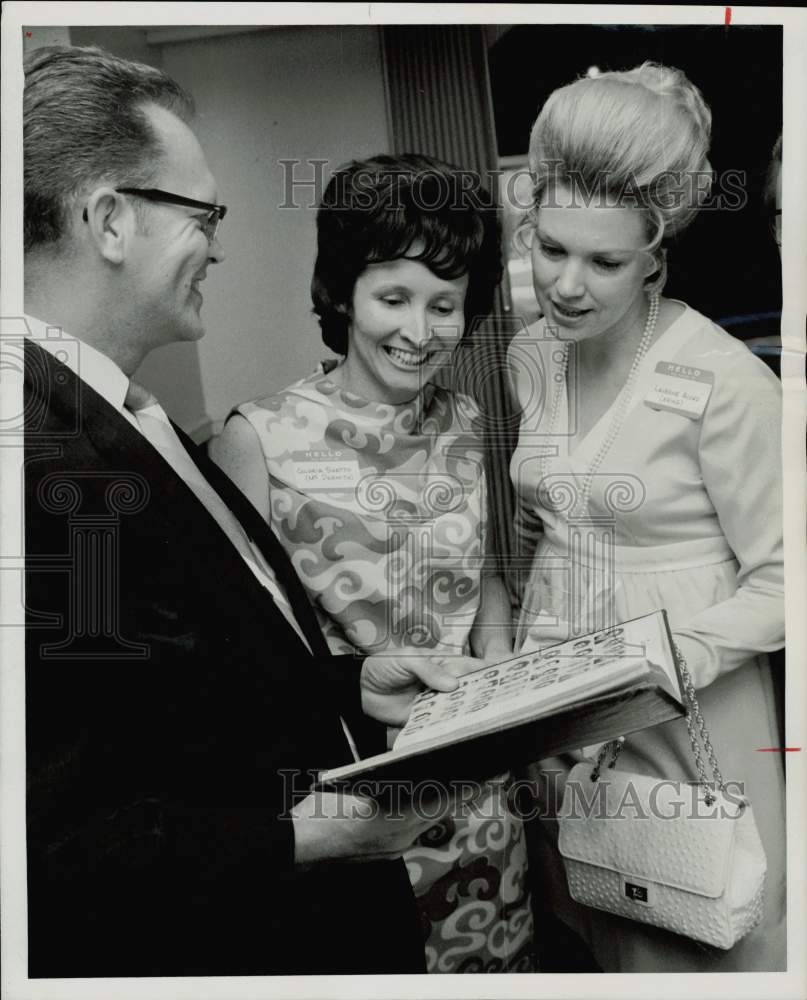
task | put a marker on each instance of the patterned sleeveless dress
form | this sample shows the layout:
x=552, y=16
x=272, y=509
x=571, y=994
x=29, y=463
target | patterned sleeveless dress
x=382, y=511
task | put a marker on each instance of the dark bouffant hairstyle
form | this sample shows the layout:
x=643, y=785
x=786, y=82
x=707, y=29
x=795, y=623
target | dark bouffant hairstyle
x=390, y=207
x=84, y=124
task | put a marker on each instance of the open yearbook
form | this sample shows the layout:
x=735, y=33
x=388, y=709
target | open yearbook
x=571, y=694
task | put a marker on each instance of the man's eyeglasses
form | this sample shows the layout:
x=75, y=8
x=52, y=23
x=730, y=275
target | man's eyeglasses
x=209, y=225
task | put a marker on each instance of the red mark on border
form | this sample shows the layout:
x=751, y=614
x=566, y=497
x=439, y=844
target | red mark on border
x=778, y=749
x=27, y=34
x=728, y=15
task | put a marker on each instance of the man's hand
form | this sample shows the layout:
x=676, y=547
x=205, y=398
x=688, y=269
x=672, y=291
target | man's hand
x=331, y=826
x=389, y=684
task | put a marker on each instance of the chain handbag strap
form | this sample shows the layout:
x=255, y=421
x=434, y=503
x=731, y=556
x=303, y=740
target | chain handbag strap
x=615, y=746
x=694, y=717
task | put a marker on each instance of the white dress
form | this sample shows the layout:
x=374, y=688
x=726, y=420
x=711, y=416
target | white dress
x=685, y=513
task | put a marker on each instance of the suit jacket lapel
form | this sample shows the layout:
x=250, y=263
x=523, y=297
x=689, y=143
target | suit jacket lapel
x=123, y=447
x=263, y=536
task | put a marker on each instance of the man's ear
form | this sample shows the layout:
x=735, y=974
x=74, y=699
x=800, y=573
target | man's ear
x=110, y=223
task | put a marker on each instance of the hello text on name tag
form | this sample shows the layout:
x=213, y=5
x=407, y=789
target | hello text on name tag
x=325, y=469
x=680, y=389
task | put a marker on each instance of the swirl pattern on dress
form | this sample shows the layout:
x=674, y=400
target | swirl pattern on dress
x=382, y=509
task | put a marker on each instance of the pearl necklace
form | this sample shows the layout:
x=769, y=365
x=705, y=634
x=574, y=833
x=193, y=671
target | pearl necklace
x=625, y=397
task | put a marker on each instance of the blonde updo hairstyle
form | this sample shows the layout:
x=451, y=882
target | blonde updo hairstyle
x=641, y=135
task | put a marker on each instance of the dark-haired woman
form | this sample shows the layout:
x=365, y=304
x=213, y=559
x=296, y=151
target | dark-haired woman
x=372, y=478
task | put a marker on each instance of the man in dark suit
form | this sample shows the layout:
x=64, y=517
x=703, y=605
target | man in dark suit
x=179, y=695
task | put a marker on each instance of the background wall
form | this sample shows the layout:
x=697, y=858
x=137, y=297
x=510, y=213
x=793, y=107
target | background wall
x=302, y=93
x=308, y=93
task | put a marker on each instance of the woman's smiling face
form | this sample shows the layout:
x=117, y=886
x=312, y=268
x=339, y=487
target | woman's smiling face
x=588, y=264
x=404, y=323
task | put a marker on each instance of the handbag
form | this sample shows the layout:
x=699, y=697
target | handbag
x=679, y=855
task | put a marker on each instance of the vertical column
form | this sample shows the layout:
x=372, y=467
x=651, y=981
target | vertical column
x=93, y=561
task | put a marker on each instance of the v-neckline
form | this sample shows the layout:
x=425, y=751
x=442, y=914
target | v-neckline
x=582, y=448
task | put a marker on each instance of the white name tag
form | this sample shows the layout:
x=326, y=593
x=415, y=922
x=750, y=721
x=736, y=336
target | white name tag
x=325, y=470
x=680, y=389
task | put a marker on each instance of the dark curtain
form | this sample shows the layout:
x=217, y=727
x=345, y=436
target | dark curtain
x=439, y=103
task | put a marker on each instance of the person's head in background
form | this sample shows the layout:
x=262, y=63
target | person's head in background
x=120, y=212
x=773, y=192
x=408, y=257
x=619, y=166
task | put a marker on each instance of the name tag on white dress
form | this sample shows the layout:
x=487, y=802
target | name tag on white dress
x=325, y=470
x=680, y=389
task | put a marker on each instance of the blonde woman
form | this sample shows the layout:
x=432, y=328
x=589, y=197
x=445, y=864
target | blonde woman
x=648, y=470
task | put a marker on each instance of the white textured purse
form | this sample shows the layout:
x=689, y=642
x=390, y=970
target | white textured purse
x=683, y=856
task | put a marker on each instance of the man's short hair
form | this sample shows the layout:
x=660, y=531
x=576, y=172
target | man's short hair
x=84, y=124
